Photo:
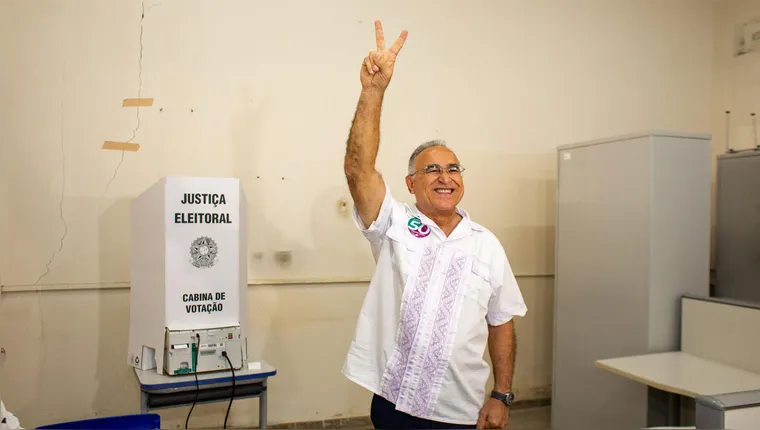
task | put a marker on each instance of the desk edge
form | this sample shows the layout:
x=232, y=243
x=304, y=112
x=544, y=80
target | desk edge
x=648, y=382
x=153, y=387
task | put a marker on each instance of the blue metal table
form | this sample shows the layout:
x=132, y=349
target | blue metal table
x=164, y=391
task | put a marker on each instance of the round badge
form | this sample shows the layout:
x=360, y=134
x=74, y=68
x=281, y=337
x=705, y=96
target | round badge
x=417, y=228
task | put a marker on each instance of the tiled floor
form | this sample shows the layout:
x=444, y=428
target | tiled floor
x=535, y=418
x=530, y=419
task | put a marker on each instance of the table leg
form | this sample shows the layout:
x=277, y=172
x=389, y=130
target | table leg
x=263, y=408
x=663, y=408
x=674, y=410
x=144, y=402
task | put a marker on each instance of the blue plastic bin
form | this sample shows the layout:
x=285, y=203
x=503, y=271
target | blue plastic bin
x=136, y=422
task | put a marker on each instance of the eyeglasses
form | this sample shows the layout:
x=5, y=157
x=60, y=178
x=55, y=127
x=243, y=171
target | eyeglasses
x=437, y=170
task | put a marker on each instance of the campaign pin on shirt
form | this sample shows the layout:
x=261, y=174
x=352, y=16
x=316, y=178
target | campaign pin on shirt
x=417, y=228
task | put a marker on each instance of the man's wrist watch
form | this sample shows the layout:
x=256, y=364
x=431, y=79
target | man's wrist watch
x=507, y=398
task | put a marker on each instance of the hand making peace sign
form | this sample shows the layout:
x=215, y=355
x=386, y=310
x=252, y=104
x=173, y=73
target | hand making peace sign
x=377, y=69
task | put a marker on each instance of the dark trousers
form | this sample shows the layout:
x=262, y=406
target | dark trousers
x=385, y=417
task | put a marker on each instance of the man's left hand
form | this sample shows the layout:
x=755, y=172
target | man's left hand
x=493, y=415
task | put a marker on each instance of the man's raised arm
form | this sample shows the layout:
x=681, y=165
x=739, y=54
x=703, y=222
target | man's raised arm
x=364, y=181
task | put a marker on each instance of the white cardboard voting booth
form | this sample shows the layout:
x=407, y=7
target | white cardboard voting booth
x=189, y=276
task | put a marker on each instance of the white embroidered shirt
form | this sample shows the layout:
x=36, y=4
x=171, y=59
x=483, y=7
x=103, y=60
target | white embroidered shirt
x=423, y=328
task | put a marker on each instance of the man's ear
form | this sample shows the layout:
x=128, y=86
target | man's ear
x=409, y=184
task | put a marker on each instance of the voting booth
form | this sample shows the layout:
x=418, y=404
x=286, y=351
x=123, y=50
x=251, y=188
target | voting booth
x=189, y=276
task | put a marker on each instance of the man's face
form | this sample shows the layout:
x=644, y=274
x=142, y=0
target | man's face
x=437, y=185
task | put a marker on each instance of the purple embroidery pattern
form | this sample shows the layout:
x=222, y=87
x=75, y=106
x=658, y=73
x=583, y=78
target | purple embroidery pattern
x=391, y=385
x=441, y=342
x=413, y=381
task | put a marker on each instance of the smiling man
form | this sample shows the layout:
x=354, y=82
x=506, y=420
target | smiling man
x=442, y=290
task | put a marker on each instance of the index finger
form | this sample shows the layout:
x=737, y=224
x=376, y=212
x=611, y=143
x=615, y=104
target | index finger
x=399, y=43
x=379, y=36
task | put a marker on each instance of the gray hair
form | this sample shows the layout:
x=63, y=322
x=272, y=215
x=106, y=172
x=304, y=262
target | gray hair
x=421, y=148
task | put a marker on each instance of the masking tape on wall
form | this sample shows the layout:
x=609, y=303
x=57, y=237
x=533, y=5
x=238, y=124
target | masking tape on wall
x=121, y=146
x=136, y=102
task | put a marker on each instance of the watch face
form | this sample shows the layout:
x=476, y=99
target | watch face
x=510, y=398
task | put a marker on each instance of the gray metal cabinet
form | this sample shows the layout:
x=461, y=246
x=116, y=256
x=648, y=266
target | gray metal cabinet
x=737, y=229
x=632, y=236
x=728, y=411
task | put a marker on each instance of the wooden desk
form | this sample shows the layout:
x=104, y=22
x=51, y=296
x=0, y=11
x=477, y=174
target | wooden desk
x=673, y=374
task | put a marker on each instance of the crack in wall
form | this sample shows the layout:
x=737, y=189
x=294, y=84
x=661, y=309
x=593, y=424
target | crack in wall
x=63, y=178
x=43, y=340
x=61, y=139
x=63, y=153
x=139, y=95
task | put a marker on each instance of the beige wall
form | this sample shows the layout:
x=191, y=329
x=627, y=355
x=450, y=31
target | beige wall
x=736, y=84
x=530, y=76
